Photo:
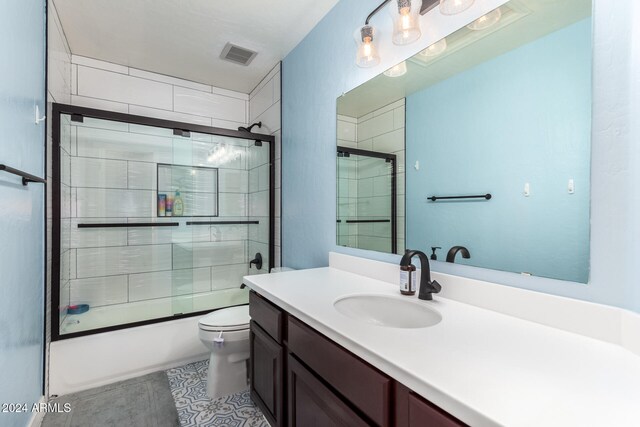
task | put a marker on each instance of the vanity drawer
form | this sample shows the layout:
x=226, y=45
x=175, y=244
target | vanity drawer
x=361, y=384
x=268, y=316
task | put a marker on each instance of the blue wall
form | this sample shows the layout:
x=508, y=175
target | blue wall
x=322, y=67
x=22, y=77
x=522, y=117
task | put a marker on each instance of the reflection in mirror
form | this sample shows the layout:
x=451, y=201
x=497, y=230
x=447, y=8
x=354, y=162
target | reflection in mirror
x=501, y=107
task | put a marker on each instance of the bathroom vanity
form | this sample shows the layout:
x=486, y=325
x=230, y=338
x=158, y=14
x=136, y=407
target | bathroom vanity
x=299, y=377
x=479, y=354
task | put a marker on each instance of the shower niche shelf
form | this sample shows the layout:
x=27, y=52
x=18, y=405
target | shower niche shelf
x=198, y=188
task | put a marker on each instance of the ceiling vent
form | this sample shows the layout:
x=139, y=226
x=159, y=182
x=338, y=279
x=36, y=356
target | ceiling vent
x=237, y=54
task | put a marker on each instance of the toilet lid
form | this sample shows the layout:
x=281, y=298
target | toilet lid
x=227, y=319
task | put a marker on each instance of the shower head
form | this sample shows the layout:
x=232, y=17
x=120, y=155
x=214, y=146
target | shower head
x=248, y=129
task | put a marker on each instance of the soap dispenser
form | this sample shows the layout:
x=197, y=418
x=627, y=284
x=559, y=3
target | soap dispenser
x=408, y=280
x=434, y=257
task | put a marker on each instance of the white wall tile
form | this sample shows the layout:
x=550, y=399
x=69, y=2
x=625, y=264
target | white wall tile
x=111, y=86
x=141, y=175
x=100, y=104
x=99, y=291
x=211, y=105
x=96, y=237
x=96, y=262
x=389, y=142
x=96, y=63
x=259, y=203
x=208, y=254
x=232, y=204
x=370, y=128
x=261, y=101
x=226, y=124
x=270, y=119
x=108, y=144
x=162, y=284
x=101, y=203
x=230, y=93
x=228, y=276
x=221, y=233
x=102, y=173
x=276, y=87
x=346, y=131
x=168, y=79
x=169, y=115
x=233, y=181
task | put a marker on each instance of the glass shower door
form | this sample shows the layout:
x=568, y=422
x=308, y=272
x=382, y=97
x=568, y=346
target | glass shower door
x=366, y=188
x=156, y=222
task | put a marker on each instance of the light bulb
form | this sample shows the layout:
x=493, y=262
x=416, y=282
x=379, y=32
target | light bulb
x=486, y=21
x=367, y=55
x=435, y=49
x=397, y=70
x=406, y=25
x=453, y=7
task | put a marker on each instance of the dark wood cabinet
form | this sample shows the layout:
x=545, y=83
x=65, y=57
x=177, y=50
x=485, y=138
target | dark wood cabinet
x=266, y=373
x=300, y=378
x=414, y=411
x=312, y=404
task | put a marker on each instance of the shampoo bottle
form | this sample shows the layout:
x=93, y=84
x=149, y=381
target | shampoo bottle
x=408, y=279
x=178, y=204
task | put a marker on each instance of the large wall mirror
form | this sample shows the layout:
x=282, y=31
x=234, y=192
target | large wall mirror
x=477, y=149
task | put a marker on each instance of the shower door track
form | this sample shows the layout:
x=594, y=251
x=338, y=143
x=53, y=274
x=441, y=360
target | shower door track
x=78, y=114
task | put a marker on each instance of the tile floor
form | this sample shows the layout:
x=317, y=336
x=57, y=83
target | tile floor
x=195, y=409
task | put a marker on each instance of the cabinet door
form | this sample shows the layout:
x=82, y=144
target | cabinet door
x=414, y=411
x=312, y=404
x=266, y=374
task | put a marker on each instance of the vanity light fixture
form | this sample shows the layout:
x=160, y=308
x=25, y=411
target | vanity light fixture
x=486, y=21
x=367, y=53
x=406, y=26
x=435, y=49
x=452, y=7
x=397, y=70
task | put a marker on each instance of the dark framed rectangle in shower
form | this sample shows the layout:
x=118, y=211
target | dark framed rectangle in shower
x=390, y=158
x=69, y=114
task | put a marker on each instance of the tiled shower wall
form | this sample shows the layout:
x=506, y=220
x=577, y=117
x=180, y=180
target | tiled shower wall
x=109, y=175
x=382, y=130
x=264, y=106
x=87, y=82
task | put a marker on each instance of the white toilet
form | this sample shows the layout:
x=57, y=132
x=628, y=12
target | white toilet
x=225, y=332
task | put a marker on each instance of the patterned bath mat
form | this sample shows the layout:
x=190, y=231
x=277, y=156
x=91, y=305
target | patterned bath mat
x=189, y=389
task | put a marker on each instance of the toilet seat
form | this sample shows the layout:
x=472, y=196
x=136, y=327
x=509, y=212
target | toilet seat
x=226, y=319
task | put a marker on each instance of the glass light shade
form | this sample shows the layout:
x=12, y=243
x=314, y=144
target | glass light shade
x=367, y=55
x=397, y=70
x=486, y=21
x=406, y=22
x=453, y=7
x=435, y=49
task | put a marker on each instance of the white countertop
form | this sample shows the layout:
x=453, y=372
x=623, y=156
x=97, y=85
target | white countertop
x=483, y=367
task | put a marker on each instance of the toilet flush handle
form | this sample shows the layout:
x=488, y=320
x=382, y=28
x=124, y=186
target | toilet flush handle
x=219, y=340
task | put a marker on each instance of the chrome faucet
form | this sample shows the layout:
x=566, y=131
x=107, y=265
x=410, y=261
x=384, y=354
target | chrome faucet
x=427, y=286
x=451, y=255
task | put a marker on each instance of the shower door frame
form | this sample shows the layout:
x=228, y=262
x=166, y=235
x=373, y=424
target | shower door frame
x=178, y=127
x=394, y=204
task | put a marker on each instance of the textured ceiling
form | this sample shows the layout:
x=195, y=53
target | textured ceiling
x=185, y=38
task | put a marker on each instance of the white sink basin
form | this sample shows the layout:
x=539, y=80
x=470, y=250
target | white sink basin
x=385, y=310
